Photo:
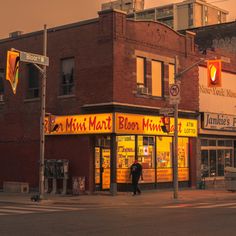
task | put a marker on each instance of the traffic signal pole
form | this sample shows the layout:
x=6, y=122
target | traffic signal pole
x=177, y=77
x=36, y=60
x=42, y=119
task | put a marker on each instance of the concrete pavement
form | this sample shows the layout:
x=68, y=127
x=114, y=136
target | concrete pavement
x=157, y=197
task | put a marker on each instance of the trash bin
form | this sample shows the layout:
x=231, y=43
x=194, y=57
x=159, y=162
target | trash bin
x=230, y=179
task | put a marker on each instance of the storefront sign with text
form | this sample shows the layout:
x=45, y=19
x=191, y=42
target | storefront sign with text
x=124, y=124
x=80, y=124
x=141, y=124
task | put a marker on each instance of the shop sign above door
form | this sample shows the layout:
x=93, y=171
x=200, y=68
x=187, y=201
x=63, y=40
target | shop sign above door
x=219, y=121
x=119, y=123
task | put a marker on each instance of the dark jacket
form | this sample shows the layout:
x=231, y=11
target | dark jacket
x=136, y=170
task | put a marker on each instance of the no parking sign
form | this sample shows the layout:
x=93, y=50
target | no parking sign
x=174, y=92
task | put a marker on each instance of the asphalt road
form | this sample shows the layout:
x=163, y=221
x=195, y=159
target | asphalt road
x=203, y=218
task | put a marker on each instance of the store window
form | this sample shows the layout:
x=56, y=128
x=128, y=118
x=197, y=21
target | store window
x=216, y=156
x=67, y=76
x=164, y=159
x=125, y=157
x=164, y=152
x=33, y=82
x=157, y=78
x=183, y=152
x=146, y=157
x=164, y=155
x=146, y=151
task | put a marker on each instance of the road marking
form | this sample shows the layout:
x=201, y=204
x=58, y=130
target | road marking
x=30, y=209
x=218, y=205
x=202, y=205
x=15, y=211
x=185, y=205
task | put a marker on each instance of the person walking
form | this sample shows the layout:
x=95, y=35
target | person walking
x=136, y=171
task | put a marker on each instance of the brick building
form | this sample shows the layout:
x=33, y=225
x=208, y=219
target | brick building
x=107, y=80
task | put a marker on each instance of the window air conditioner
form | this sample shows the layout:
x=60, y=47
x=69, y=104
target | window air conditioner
x=142, y=90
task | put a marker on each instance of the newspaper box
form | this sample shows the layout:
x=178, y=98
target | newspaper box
x=230, y=179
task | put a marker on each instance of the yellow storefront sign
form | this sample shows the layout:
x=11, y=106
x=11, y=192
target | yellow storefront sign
x=80, y=124
x=151, y=125
x=124, y=124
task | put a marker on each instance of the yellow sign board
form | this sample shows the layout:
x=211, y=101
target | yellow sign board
x=124, y=124
x=142, y=124
x=80, y=124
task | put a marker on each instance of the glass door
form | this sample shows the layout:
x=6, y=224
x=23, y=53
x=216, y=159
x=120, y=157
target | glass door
x=105, y=170
x=102, y=168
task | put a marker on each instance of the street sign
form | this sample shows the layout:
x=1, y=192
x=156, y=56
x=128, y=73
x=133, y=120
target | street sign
x=166, y=111
x=34, y=58
x=174, y=92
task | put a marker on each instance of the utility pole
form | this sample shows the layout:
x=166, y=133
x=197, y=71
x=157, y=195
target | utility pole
x=37, y=60
x=177, y=77
x=42, y=119
x=175, y=159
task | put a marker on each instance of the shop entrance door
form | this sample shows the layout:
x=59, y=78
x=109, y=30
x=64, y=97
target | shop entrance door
x=102, y=168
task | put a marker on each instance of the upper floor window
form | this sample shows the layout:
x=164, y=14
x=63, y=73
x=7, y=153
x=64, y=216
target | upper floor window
x=1, y=84
x=157, y=78
x=206, y=14
x=140, y=70
x=171, y=74
x=33, y=82
x=218, y=17
x=190, y=14
x=67, y=76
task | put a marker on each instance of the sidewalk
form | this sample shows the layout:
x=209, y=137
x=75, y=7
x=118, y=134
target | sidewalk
x=148, y=197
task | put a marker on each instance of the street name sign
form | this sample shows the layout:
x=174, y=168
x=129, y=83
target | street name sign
x=166, y=111
x=34, y=58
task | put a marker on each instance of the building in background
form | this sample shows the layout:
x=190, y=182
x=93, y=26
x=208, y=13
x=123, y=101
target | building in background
x=128, y=6
x=219, y=36
x=183, y=15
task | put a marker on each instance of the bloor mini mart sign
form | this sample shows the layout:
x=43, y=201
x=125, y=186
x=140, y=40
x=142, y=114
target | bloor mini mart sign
x=119, y=123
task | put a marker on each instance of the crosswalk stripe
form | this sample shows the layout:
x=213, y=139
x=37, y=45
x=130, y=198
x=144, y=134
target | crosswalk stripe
x=217, y=205
x=2, y=214
x=14, y=211
x=202, y=205
x=185, y=205
x=56, y=207
x=29, y=209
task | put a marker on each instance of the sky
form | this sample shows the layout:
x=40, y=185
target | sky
x=31, y=15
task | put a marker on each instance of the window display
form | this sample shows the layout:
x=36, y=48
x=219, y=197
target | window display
x=146, y=157
x=164, y=152
x=182, y=152
x=216, y=156
x=164, y=159
x=146, y=151
x=125, y=157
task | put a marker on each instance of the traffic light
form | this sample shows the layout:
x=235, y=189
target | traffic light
x=166, y=124
x=214, y=73
x=12, y=68
x=53, y=126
